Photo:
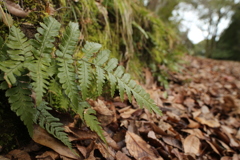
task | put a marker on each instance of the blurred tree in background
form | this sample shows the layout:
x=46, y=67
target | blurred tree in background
x=228, y=46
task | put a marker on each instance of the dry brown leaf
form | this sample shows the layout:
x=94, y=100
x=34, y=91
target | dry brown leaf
x=49, y=9
x=236, y=157
x=177, y=153
x=209, y=122
x=193, y=124
x=80, y=134
x=127, y=113
x=196, y=132
x=110, y=141
x=137, y=147
x=101, y=108
x=15, y=9
x=48, y=154
x=173, y=142
x=18, y=154
x=107, y=152
x=192, y=145
x=3, y=158
x=42, y=137
x=213, y=147
x=189, y=102
x=121, y=156
x=83, y=150
x=6, y=18
x=226, y=158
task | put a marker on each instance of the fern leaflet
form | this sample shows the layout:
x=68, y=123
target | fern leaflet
x=66, y=71
x=42, y=48
x=50, y=123
x=85, y=77
x=92, y=122
x=90, y=48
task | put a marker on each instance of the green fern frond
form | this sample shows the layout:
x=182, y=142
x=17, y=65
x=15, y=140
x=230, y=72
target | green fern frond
x=117, y=77
x=51, y=124
x=21, y=103
x=42, y=48
x=92, y=122
x=66, y=73
x=71, y=80
x=19, y=52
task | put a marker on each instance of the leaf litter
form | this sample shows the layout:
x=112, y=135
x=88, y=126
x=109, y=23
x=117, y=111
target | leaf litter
x=201, y=120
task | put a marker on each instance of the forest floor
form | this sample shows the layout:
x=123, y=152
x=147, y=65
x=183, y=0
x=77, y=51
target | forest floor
x=201, y=120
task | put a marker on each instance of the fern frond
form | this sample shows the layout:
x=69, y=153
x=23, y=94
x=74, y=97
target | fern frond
x=19, y=52
x=21, y=103
x=42, y=48
x=51, y=124
x=66, y=73
x=117, y=77
x=92, y=122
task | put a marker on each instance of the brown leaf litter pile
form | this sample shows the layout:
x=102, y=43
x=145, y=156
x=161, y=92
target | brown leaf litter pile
x=201, y=120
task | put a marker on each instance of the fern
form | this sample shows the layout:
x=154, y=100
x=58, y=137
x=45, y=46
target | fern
x=116, y=76
x=39, y=78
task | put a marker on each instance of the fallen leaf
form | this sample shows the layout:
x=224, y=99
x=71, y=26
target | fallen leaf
x=196, y=132
x=18, y=154
x=209, y=120
x=107, y=152
x=121, y=156
x=42, y=137
x=137, y=147
x=101, y=108
x=48, y=154
x=83, y=150
x=173, y=142
x=192, y=145
x=15, y=9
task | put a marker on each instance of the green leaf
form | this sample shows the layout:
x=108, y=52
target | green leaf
x=100, y=74
x=92, y=122
x=66, y=72
x=84, y=78
x=112, y=79
x=102, y=57
x=90, y=48
x=42, y=48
